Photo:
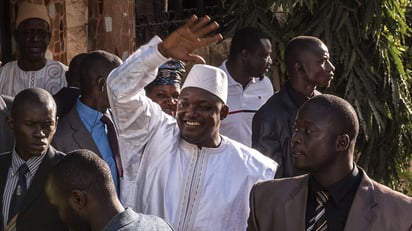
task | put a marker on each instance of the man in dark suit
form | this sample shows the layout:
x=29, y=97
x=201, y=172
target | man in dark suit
x=66, y=98
x=6, y=136
x=336, y=194
x=23, y=171
x=307, y=67
x=82, y=127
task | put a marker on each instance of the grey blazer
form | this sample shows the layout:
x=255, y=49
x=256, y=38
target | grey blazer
x=71, y=134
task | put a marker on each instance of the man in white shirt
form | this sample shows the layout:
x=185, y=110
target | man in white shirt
x=248, y=88
x=182, y=169
x=32, y=69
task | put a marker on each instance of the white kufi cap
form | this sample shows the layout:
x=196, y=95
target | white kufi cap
x=209, y=78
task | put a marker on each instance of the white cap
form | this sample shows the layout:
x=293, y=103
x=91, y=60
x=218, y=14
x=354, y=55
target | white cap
x=31, y=10
x=209, y=78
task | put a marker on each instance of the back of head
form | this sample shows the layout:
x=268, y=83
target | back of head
x=96, y=64
x=340, y=111
x=296, y=47
x=85, y=171
x=73, y=73
x=33, y=96
x=246, y=38
x=31, y=10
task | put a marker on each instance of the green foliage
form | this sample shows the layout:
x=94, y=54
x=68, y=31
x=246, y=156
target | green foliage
x=368, y=45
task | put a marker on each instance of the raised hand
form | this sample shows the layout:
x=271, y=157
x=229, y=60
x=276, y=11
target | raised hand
x=192, y=35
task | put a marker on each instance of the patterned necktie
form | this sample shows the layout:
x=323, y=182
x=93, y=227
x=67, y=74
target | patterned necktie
x=114, y=143
x=318, y=221
x=19, y=192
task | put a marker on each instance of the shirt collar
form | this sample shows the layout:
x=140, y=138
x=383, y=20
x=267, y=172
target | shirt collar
x=88, y=114
x=33, y=163
x=297, y=98
x=338, y=190
x=231, y=81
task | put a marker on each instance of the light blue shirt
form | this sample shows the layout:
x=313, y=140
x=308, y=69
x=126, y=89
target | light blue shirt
x=97, y=129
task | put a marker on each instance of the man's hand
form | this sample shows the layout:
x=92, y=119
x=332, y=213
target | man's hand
x=193, y=35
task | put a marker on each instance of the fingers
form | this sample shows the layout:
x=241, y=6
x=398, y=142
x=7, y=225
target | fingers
x=202, y=22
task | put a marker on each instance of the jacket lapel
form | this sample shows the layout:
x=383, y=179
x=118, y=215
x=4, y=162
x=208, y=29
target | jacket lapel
x=362, y=213
x=80, y=134
x=37, y=185
x=297, y=205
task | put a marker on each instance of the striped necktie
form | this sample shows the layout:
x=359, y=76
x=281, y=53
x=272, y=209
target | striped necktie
x=318, y=221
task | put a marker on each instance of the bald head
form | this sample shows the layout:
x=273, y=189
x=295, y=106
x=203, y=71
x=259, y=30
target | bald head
x=34, y=97
x=296, y=47
x=94, y=69
x=340, y=111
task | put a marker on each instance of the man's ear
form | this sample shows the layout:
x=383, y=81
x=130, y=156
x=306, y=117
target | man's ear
x=10, y=122
x=224, y=112
x=78, y=200
x=342, y=142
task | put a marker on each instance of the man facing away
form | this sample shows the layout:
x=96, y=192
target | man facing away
x=308, y=66
x=248, y=88
x=81, y=188
x=336, y=194
x=23, y=171
x=32, y=69
x=84, y=126
x=182, y=169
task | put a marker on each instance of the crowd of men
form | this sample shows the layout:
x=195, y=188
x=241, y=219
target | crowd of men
x=107, y=144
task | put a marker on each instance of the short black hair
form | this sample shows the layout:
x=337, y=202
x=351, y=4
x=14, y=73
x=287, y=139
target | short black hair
x=94, y=65
x=73, y=73
x=83, y=170
x=296, y=47
x=340, y=111
x=33, y=96
x=246, y=38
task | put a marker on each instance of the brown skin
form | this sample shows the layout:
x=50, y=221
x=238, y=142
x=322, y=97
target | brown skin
x=198, y=117
x=33, y=127
x=247, y=65
x=192, y=35
x=320, y=147
x=166, y=96
x=32, y=37
x=81, y=210
x=313, y=69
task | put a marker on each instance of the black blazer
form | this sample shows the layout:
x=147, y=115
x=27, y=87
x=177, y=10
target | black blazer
x=36, y=212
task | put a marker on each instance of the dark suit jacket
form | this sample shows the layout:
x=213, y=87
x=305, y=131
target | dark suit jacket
x=36, y=212
x=71, y=134
x=6, y=135
x=272, y=128
x=281, y=205
x=65, y=99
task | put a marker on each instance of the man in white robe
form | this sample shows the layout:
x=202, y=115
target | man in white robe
x=32, y=69
x=182, y=169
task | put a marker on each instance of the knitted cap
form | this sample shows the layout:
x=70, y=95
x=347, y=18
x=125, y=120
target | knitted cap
x=209, y=78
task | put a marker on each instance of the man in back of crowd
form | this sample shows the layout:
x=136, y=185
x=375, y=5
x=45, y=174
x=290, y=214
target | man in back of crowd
x=248, y=88
x=81, y=188
x=66, y=98
x=89, y=123
x=182, y=169
x=307, y=67
x=32, y=69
